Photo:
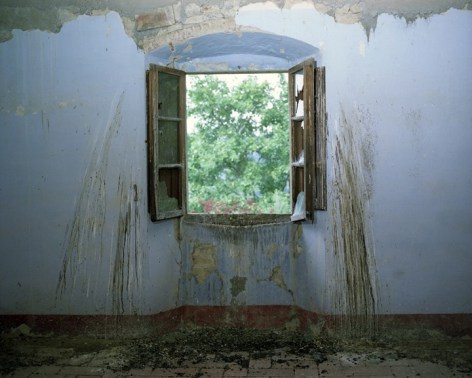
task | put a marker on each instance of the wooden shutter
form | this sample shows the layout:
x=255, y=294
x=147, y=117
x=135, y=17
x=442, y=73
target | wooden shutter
x=320, y=196
x=167, y=176
x=307, y=140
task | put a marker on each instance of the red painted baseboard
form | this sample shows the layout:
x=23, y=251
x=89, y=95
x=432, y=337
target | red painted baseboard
x=271, y=316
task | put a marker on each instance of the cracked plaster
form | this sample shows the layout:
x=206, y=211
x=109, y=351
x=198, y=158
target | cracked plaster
x=154, y=23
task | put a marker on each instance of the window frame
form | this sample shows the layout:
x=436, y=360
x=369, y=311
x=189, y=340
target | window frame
x=311, y=178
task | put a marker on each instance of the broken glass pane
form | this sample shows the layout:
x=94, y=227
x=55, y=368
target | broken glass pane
x=169, y=189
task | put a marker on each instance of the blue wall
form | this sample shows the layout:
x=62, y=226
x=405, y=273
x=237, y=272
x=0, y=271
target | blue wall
x=75, y=234
x=74, y=227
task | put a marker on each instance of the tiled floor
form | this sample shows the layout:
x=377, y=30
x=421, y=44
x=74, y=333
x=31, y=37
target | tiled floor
x=338, y=365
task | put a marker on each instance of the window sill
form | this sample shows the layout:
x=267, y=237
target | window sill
x=237, y=220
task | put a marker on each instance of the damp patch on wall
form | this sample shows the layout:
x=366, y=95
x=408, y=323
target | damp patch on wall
x=231, y=265
x=238, y=285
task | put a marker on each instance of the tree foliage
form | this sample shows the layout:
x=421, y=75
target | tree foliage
x=238, y=153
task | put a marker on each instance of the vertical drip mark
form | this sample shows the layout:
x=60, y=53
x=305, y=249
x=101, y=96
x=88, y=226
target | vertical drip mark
x=84, y=237
x=126, y=265
x=354, y=289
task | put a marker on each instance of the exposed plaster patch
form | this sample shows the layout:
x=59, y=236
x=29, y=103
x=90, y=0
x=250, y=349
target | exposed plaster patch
x=161, y=18
x=277, y=277
x=348, y=14
x=192, y=10
x=144, y=24
x=20, y=110
x=203, y=261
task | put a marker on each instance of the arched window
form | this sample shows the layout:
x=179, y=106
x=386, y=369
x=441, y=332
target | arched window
x=249, y=52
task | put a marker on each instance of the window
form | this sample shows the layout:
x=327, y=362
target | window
x=244, y=118
x=166, y=138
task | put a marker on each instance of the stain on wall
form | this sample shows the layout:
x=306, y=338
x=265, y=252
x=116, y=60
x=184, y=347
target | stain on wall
x=203, y=261
x=230, y=264
x=84, y=236
x=125, y=276
x=238, y=286
x=277, y=277
x=89, y=259
x=353, y=288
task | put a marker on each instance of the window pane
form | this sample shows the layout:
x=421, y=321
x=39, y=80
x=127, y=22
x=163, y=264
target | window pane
x=168, y=94
x=169, y=189
x=168, y=142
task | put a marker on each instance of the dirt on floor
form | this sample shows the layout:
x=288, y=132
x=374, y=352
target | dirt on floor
x=21, y=347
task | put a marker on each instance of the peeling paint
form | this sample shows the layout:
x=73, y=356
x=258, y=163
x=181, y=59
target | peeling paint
x=203, y=261
x=246, y=252
x=277, y=277
x=349, y=14
x=152, y=23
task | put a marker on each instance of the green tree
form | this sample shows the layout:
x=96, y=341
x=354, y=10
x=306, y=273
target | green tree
x=238, y=153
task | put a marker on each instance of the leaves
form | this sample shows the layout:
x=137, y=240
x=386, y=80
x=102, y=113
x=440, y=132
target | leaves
x=239, y=152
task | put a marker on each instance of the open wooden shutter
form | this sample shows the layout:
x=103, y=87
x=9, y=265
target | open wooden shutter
x=166, y=132
x=320, y=195
x=307, y=140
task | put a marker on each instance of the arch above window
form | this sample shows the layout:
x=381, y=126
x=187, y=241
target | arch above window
x=230, y=52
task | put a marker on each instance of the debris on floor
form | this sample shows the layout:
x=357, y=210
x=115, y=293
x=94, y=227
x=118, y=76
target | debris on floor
x=230, y=348
x=230, y=345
